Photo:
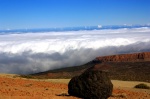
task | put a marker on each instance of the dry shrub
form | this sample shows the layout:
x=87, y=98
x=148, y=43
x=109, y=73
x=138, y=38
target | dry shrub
x=142, y=86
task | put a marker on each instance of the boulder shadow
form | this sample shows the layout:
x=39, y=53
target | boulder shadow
x=63, y=94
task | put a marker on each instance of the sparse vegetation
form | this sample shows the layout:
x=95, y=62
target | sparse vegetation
x=28, y=85
x=142, y=86
x=46, y=89
x=27, y=76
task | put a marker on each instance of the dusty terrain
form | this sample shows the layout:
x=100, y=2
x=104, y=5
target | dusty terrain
x=14, y=87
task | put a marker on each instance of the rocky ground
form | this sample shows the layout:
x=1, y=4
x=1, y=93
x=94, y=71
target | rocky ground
x=14, y=87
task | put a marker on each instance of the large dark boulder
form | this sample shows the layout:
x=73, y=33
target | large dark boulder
x=92, y=84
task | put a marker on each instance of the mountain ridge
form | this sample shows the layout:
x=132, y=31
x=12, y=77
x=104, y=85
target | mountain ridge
x=144, y=56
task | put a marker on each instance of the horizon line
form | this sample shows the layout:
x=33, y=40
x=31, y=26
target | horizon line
x=56, y=28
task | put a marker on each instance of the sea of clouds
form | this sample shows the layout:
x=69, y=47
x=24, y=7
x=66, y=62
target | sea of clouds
x=26, y=53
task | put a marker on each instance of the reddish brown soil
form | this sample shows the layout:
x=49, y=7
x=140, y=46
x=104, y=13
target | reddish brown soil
x=145, y=56
x=20, y=88
x=119, y=93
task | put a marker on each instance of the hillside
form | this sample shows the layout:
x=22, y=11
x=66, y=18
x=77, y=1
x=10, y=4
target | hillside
x=132, y=67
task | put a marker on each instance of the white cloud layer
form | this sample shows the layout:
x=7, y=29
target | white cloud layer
x=25, y=53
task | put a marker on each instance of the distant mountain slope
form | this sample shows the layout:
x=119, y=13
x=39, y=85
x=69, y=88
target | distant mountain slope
x=133, y=67
x=145, y=56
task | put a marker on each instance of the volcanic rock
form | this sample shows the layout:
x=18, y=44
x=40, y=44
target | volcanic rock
x=92, y=84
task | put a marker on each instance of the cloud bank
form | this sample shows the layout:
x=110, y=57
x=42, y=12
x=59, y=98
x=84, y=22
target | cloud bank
x=26, y=53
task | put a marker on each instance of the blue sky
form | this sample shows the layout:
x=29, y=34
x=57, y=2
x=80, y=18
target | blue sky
x=20, y=14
